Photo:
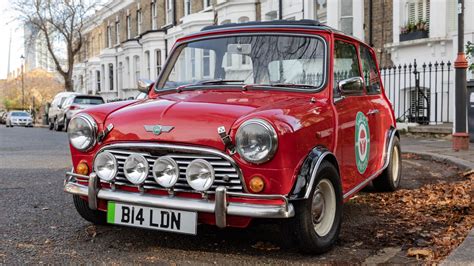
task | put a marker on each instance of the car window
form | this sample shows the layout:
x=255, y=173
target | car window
x=253, y=59
x=369, y=70
x=20, y=114
x=88, y=100
x=346, y=63
x=62, y=101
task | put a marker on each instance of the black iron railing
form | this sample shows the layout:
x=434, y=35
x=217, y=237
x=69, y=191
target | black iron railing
x=420, y=93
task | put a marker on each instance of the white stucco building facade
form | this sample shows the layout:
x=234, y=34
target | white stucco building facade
x=114, y=72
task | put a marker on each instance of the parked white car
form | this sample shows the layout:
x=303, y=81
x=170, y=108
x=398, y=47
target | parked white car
x=54, y=111
x=74, y=104
x=19, y=118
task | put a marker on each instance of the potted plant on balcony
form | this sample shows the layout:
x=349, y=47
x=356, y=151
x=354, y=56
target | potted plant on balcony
x=413, y=31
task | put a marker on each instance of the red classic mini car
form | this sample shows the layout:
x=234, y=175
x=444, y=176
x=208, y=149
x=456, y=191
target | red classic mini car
x=282, y=119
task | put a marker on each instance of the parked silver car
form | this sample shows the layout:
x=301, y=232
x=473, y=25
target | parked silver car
x=54, y=111
x=72, y=105
x=19, y=118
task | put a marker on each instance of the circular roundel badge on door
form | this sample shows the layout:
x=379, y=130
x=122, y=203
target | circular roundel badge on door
x=362, y=142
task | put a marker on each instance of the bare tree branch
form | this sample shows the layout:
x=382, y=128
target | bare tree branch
x=61, y=23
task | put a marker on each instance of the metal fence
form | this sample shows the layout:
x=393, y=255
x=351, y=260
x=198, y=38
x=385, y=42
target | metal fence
x=420, y=93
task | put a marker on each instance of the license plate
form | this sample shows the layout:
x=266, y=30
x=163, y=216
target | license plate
x=152, y=218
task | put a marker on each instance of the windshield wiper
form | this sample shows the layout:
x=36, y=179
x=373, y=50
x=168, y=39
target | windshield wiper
x=291, y=85
x=218, y=81
x=209, y=82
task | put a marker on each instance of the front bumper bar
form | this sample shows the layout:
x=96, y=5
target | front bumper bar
x=221, y=207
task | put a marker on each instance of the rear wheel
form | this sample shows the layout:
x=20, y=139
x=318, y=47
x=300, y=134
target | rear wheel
x=51, y=125
x=93, y=216
x=390, y=178
x=317, y=220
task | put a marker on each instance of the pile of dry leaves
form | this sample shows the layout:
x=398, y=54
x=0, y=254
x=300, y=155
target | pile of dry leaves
x=428, y=222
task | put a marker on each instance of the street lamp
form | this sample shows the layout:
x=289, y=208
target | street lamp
x=22, y=82
x=460, y=135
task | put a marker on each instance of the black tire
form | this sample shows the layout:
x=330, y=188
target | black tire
x=302, y=226
x=57, y=126
x=66, y=123
x=390, y=178
x=93, y=216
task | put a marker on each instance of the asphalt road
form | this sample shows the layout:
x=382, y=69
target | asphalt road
x=38, y=222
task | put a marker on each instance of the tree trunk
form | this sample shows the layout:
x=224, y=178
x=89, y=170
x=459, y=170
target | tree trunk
x=68, y=84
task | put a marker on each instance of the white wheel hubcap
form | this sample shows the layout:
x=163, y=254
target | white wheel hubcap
x=395, y=165
x=323, y=207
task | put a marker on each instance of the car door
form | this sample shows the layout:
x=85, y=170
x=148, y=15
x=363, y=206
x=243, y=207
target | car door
x=378, y=115
x=353, y=141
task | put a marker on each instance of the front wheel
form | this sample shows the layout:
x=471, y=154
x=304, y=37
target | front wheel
x=57, y=126
x=93, y=216
x=317, y=220
x=390, y=178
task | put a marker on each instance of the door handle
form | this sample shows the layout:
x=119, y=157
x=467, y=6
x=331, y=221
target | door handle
x=373, y=112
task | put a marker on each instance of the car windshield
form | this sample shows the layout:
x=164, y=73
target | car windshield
x=296, y=62
x=88, y=100
x=20, y=114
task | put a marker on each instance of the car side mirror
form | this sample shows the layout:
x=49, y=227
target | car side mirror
x=144, y=85
x=350, y=86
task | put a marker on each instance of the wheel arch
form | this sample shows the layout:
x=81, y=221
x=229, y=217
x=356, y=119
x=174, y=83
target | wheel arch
x=307, y=173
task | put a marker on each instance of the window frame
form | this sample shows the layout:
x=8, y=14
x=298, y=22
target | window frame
x=153, y=16
x=139, y=21
x=117, y=32
x=359, y=66
x=129, y=27
x=374, y=58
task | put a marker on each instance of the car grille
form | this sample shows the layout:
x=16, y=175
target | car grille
x=225, y=173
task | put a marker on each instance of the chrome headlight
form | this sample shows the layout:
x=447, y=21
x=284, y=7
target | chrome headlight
x=200, y=175
x=166, y=171
x=105, y=166
x=256, y=141
x=135, y=169
x=82, y=132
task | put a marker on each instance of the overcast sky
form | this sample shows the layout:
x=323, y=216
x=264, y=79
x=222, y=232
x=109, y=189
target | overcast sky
x=7, y=25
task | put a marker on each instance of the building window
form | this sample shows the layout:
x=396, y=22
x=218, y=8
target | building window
x=111, y=77
x=346, y=20
x=137, y=68
x=129, y=27
x=187, y=7
x=320, y=11
x=120, y=76
x=158, y=61
x=148, y=64
x=206, y=63
x=193, y=63
x=153, y=15
x=139, y=22
x=102, y=76
x=117, y=31
x=418, y=11
x=169, y=11
x=109, y=36
x=127, y=67
x=206, y=3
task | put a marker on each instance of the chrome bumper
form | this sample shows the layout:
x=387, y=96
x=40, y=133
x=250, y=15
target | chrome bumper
x=220, y=206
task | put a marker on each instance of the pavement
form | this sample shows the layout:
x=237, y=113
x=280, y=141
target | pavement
x=441, y=150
